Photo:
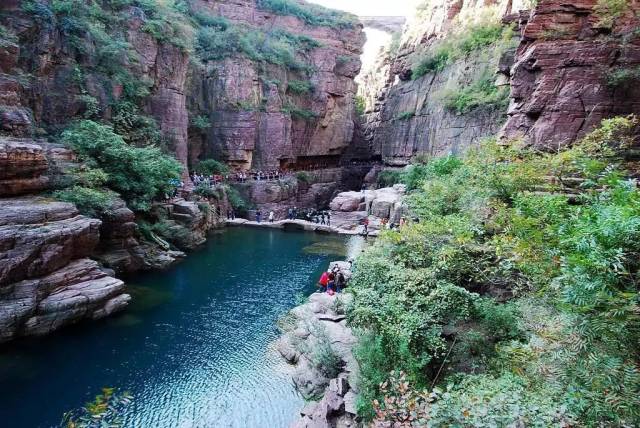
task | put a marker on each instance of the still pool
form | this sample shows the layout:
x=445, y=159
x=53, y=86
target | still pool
x=195, y=348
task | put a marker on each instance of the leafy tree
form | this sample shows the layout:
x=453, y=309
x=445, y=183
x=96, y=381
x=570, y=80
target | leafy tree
x=139, y=174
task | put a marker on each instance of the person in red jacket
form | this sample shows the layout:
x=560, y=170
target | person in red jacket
x=323, y=282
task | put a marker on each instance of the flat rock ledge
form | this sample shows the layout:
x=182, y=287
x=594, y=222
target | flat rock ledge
x=312, y=332
x=47, y=279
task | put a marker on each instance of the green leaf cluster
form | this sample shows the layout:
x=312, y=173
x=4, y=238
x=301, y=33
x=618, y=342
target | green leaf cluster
x=310, y=13
x=558, y=235
x=139, y=174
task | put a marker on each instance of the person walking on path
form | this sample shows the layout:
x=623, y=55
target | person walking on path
x=271, y=216
x=322, y=218
x=258, y=216
x=365, y=223
x=328, y=218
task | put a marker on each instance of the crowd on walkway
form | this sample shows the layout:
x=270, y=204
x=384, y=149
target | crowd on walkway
x=332, y=281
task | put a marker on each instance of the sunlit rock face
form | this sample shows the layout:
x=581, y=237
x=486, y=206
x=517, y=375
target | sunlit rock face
x=406, y=116
x=563, y=82
x=247, y=101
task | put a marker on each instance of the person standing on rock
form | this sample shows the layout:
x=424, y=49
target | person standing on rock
x=341, y=282
x=271, y=216
x=365, y=223
x=322, y=218
x=328, y=218
x=323, y=281
x=258, y=216
x=331, y=285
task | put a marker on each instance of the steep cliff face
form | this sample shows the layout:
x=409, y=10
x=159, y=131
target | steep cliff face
x=266, y=113
x=274, y=90
x=577, y=64
x=413, y=95
x=565, y=68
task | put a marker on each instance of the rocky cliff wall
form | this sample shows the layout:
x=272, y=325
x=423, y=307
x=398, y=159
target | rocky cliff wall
x=46, y=277
x=285, y=97
x=577, y=64
x=567, y=66
x=258, y=120
x=406, y=110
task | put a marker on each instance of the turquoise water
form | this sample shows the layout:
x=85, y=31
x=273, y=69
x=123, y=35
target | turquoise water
x=195, y=348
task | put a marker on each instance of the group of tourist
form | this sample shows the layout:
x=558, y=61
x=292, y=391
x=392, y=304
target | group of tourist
x=332, y=281
x=271, y=217
x=206, y=180
x=312, y=216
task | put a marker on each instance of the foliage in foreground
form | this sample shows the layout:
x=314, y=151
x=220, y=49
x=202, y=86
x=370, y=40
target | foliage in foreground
x=105, y=411
x=556, y=234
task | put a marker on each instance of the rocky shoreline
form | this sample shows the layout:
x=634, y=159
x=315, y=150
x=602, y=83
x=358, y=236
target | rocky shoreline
x=318, y=343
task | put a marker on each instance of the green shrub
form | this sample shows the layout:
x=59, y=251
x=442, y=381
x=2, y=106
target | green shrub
x=40, y=11
x=474, y=38
x=208, y=192
x=236, y=200
x=277, y=46
x=303, y=177
x=167, y=23
x=311, y=14
x=405, y=115
x=91, y=106
x=201, y=123
x=482, y=93
x=563, y=350
x=480, y=36
x=360, y=105
x=433, y=63
x=298, y=112
x=299, y=87
x=211, y=166
x=609, y=11
x=624, y=77
x=138, y=174
x=89, y=201
x=135, y=128
x=389, y=178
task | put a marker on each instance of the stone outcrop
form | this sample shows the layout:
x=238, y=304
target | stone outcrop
x=386, y=202
x=248, y=103
x=318, y=325
x=46, y=279
x=563, y=81
x=309, y=189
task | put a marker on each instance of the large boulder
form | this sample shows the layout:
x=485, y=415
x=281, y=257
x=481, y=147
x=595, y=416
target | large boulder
x=347, y=201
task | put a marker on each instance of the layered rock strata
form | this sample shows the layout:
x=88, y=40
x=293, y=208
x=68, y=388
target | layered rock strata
x=46, y=278
x=575, y=66
x=406, y=115
x=249, y=103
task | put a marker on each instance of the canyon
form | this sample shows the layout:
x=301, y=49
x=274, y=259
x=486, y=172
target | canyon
x=258, y=88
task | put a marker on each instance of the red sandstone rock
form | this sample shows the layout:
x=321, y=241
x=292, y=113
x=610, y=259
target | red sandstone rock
x=46, y=281
x=559, y=82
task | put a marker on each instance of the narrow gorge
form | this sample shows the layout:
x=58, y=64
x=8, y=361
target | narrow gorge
x=486, y=151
